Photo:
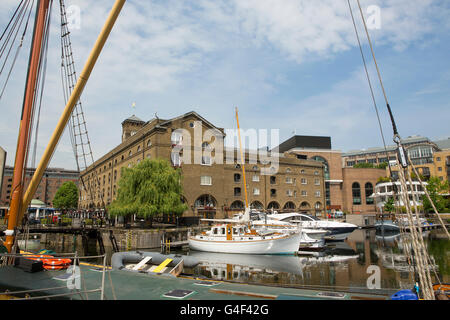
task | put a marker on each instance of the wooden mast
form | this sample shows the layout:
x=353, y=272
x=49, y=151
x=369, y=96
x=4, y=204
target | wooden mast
x=22, y=202
x=242, y=160
x=25, y=121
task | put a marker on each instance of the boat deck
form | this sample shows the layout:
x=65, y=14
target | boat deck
x=142, y=286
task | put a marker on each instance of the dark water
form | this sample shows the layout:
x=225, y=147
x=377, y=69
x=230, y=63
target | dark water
x=342, y=265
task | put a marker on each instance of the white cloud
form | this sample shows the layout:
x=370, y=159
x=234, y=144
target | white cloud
x=172, y=55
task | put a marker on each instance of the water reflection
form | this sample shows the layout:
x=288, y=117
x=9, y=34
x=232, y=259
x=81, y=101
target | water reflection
x=341, y=264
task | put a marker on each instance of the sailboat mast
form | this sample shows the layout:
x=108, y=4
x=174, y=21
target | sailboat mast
x=25, y=121
x=74, y=97
x=242, y=159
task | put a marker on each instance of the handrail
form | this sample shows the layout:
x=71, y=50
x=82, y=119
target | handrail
x=58, y=295
x=76, y=261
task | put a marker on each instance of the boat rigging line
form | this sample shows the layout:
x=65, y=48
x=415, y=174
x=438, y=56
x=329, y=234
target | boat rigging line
x=78, y=132
x=420, y=253
x=21, y=10
x=41, y=83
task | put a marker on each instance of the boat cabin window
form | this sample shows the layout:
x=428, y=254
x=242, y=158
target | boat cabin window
x=222, y=230
x=289, y=219
x=306, y=218
x=215, y=231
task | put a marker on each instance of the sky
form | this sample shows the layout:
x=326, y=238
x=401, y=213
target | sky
x=288, y=65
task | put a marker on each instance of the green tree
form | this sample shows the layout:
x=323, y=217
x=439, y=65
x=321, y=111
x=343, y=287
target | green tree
x=364, y=165
x=435, y=189
x=382, y=165
x=67, y=196
x=389, y=206
x=383, y=180
x=415, y=178
x=150, y=188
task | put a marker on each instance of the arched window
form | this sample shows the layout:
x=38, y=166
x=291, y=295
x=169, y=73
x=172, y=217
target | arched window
x=237, y=177
x=273, y=205
x=356, y=193
x=206, y=146
x=325, y=163
x=176, y=138
x=237, y=205
x=257, y=205
x=205, y=201
x=289, y=206
x=369, y=191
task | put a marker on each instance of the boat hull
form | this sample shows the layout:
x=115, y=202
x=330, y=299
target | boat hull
x=288, y=245
x=387, y=226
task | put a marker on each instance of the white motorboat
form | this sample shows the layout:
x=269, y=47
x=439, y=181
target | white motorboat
x=310, y=238
x=239, y=238
x=338, y=230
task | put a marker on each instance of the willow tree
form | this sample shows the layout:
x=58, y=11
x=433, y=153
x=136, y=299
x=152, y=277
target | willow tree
x=151, y=188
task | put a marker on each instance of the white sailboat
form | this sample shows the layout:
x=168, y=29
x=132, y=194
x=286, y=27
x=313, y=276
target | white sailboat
x=238, y=236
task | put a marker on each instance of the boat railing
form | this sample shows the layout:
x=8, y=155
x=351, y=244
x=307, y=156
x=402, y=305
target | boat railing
x=8, y=259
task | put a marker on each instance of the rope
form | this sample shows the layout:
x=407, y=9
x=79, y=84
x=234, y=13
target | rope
x=77, y=122
x=43, y=63
x=431, y=201
x=417, y=242
x=394, y=126
x=420, y=253
x=20, y=17
x=12, y=18
x=370, y=86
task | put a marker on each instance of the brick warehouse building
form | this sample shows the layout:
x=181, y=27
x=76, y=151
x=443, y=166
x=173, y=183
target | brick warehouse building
x=209, y=189
x=53, y=178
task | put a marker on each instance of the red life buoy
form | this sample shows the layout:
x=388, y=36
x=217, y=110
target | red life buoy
x=47, y=267
x=56, y=262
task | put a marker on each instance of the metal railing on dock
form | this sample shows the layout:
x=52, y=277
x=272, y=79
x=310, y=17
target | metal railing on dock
x=71, y=282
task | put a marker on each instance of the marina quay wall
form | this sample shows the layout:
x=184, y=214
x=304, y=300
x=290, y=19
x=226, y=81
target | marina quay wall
x=212, y=183
x=126, y=238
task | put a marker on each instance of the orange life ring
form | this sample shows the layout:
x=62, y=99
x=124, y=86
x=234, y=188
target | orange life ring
x=56, y=262
x=47, y=267
x=37, y=257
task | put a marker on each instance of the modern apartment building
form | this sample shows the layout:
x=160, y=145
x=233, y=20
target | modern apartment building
x=430, y=158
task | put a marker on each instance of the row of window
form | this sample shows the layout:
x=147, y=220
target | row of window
x=239, y=205
x=207, y=180
x=356, y=193
x=273, y=192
